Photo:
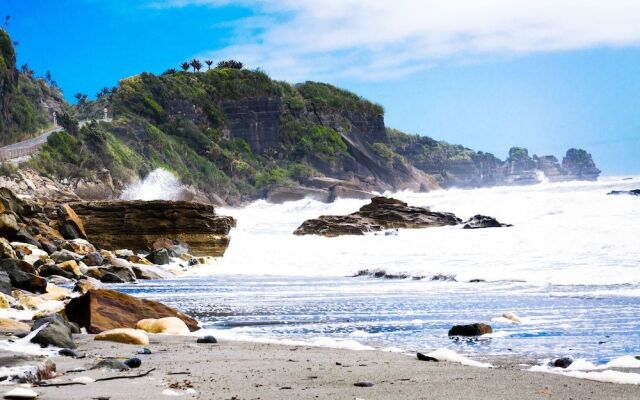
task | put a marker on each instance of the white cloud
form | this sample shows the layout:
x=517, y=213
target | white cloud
x=371, y=39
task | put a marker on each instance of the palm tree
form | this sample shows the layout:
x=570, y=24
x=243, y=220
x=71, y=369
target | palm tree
x=185, y=66
x=196, y=64
x=208, y=62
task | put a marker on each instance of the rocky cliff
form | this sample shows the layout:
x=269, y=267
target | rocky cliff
x=26, y=103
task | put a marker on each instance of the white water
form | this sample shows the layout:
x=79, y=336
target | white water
x=567, y=233
x=160, y=184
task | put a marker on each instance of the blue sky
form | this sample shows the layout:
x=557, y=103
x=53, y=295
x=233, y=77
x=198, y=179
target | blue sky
x=543, y=74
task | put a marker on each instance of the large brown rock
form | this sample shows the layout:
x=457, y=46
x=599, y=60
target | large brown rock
x=102, y=309
x=382, y=213
x=138, y=224
x=69, y=224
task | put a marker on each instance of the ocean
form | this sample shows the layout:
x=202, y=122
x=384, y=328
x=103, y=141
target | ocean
x=569, y=268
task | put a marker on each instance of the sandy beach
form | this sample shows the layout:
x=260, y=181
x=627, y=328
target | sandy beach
x=246, y=370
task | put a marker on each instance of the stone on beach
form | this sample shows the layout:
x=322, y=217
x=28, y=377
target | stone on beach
x=55, y=333
x=12, y=326
x=111, y=364
x=166, y=326
x=79, y=246
x=21, y=275
x=207, y=339
x=20, y=393
x=124, y=335
x=102, y=309
x=470, y=330
x=423, y=357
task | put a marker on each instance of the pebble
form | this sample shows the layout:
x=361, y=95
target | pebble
x=363, y=384
x=20, y=393
x=563, y=362
x=207, y=339
x=84, y=379
x=111, y=364
x=145, y=351
x=133, y=362
x=68, y=353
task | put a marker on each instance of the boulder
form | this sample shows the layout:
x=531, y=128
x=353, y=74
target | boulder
x=138, y=224
x=175, y=247
x=150, y=272
x=166, y=326
x=93, y=259
x=108, y=277
x=4, y=301
x=159, y=257
x=6, y=251
x=21, y=275
x=470, y=330
x=382, y=213
x=12, y=326
x=8, y=224
x=55, y=333
x=39, y=321
x=69, y=224
x=56, y=293
x=136, y=259
x=5, y=283
x=124, y=335
x=64, y=255
x=70, y=266
x=84, y=285
x=79, y=246
x=482, y=221
x=54, y=270
x=102, y=309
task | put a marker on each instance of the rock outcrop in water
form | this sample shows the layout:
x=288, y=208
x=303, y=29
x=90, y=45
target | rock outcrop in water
x=483, y=221
x=382, y=213
x=138, y=224
x=633, y=192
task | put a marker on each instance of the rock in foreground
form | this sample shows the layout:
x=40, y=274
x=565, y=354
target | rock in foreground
x=382, y=213
x=138, y=224
x=101, y=309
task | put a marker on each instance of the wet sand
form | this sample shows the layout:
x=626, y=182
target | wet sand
x=245, y=370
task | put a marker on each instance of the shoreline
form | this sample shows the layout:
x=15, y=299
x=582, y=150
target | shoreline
x=250, y=370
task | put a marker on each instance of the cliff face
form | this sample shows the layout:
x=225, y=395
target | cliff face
x=26, y=103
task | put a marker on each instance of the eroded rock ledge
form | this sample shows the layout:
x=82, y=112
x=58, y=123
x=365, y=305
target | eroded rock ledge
x=137, y=224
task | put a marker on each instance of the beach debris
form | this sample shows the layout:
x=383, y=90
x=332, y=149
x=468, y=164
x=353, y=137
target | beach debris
x=111, y=364
x=423, y=357
x=20, y=393
x=166, y=326
x=207, y=339
x=477, y=329
x=363, y=384
x=133, y=362
x=109, y=378
x=562, y=362
x=124, y=335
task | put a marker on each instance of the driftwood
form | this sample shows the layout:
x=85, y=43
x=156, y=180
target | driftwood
x=109, y=378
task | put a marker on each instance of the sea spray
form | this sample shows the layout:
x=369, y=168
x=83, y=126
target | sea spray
x=160, y=184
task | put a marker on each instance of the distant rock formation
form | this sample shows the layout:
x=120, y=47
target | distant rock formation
x=382, y=213
x=633, y=192
x=579, y=164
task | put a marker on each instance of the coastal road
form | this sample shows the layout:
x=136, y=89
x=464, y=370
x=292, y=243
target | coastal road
x=29, y=146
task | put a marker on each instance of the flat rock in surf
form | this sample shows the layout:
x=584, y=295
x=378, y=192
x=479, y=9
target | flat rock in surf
x=634, y=192
x=483, y=221
x=382, y=213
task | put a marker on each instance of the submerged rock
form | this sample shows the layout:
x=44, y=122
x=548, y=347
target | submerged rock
x=102, y=309
x=382, y=213
x=470, y=330
x=562, y=362
x=483, y=221
x=634, y=192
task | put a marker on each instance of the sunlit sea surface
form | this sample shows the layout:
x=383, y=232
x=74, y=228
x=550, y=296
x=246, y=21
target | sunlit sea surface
x=569, y=268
